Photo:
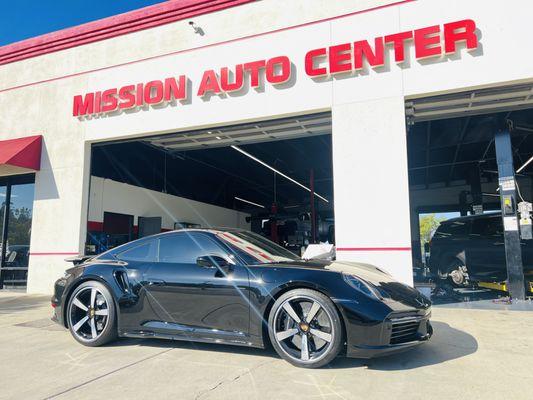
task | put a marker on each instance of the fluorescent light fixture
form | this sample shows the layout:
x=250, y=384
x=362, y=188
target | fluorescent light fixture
x=525, y=165
x=249, y=202
x=277, y=172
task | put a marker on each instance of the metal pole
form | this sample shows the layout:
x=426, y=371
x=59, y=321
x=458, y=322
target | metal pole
x=507, y=184
x=312, y=199
x=4, y=234
x=274, y=223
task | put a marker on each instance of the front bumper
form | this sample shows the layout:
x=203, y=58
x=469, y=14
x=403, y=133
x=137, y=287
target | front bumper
x=372, y=351
x=397, y=331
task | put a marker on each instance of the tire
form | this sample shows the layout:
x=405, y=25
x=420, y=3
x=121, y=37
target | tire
x=91, y=314
x=289, y=329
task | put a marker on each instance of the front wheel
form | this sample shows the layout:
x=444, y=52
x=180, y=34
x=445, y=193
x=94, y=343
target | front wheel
x=458, y=274
x=91, y=314
x=305, y=328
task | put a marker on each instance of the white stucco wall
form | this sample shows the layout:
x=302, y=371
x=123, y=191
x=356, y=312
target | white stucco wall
x=111, y=196
x=368, y=117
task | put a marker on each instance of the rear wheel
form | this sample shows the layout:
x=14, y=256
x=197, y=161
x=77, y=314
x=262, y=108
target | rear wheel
x=91, y=314
x=305, y=328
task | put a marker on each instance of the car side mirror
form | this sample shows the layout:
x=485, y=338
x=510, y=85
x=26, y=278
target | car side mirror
x=212, y=262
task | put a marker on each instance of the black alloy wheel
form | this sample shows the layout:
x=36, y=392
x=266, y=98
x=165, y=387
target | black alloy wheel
x=305, y=328
x=91, y=314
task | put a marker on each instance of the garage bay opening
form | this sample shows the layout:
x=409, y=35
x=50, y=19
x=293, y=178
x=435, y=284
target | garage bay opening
x=470, y=192
x=271, y=177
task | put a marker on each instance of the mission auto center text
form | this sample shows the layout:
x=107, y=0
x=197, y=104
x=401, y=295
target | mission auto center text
x=345, y=58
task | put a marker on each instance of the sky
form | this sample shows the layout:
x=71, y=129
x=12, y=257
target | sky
x=21, y=196
x=23, y=19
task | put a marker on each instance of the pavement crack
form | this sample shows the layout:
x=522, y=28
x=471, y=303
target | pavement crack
x=231, y=380
x=106, y=374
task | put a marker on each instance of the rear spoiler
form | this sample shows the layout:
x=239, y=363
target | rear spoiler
x=77, y=260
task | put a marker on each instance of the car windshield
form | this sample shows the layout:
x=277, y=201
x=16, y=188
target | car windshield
x=258, y=247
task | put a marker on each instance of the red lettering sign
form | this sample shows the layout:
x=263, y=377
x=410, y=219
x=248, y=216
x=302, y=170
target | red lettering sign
x=431, y=41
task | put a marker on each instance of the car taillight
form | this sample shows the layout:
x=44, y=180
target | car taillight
x=53, y=305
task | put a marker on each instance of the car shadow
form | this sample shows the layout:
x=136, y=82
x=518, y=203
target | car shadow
x=446, y=344
x=13, y=304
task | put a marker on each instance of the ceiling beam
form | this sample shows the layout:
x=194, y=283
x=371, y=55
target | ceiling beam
x=458, y=149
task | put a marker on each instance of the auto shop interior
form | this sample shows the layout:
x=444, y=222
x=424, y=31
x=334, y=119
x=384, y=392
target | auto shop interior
x=457, y=145
x=273, y=177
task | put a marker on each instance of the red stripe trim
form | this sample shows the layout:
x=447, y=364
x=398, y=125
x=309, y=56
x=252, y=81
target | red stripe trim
x=55, y=254
x=206, y=46
x=95, y=226
x=133, y=21
x=373, y=249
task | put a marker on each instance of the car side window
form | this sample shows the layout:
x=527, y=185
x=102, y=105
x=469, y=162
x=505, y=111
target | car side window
x=144, y=252
x=479, y=227
x=186, y=247
x=495, y=227
x=452, y=229
x=487, y=227
x=246, y=257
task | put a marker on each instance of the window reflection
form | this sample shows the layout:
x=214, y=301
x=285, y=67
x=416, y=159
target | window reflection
x=15, y=268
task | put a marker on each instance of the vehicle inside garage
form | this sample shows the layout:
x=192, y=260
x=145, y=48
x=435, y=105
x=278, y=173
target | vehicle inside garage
x=272, y=177
x=469, y=159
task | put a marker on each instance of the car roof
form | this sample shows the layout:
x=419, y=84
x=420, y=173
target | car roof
x=125, y=246
x=209, y=230
x=472, y=217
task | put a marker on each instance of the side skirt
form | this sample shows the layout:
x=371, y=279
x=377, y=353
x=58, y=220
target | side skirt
x=153, y=330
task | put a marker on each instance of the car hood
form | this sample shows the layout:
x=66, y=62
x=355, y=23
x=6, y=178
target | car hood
x=368, y=272
x=376, y=276
x=396, y=290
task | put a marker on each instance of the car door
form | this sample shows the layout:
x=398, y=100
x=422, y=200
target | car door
x=486, y=249
x=193, y=299
x=136, y=259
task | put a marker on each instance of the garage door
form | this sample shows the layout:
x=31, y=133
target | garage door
x=505, y=98
x=278, y=129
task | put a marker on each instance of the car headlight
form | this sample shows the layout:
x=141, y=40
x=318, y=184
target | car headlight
x=361, y=286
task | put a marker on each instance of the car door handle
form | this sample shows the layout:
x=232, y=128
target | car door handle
x=155, y=282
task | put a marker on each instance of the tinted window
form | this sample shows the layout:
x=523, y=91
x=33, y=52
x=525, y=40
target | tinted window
x=487, y=227
x=264, y=244
x=144, y=252
x=452, y=229
x=185, y=248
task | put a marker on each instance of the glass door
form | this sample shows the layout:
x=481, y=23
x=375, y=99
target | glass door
x=3, y=187
x=16, y=195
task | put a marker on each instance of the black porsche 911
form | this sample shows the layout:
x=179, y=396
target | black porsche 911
x=236, y=287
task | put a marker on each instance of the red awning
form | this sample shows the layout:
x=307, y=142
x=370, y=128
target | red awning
x=22, y=155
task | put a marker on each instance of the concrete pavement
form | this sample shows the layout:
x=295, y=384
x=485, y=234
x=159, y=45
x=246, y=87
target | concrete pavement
x=474, y=354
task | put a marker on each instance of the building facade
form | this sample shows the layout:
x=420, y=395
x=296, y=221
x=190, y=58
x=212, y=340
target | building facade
x=360, y=60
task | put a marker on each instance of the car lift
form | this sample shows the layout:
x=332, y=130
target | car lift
x=502, y=286
x=508, y=196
